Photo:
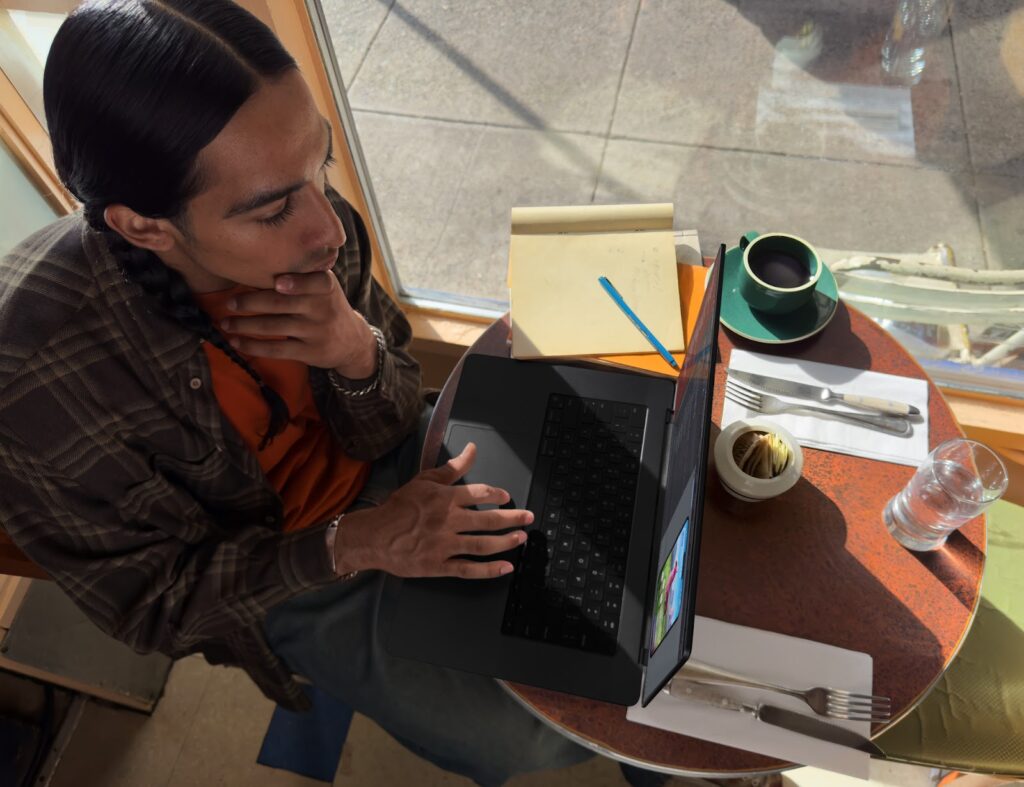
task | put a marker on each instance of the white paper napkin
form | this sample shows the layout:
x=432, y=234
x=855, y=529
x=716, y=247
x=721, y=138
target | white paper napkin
x=832, y=434
x=787, y=661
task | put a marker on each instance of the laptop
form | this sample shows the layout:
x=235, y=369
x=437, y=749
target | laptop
x=613, y=465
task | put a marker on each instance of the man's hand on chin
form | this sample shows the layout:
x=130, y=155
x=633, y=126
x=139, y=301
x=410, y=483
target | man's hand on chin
x=306, y=318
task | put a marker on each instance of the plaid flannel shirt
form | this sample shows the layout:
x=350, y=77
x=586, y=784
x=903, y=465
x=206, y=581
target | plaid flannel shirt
x=120, y=476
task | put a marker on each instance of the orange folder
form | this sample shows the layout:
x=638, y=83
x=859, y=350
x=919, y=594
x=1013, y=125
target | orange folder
x=692, y=279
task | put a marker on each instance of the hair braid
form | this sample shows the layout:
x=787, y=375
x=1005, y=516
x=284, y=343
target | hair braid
x=175, y=298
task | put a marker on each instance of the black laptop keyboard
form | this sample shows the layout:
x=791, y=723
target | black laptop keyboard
x=570, y=576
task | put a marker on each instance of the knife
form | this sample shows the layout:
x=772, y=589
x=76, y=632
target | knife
x=821, y=394
x=777, y=717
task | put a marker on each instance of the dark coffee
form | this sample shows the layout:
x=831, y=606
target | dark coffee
x=779, y=269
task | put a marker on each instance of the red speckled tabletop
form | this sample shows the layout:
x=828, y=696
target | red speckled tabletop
x=815, y=563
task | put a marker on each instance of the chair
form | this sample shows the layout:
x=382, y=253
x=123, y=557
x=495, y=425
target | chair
x=16, y=563
x=906, y=290
x=973, y=717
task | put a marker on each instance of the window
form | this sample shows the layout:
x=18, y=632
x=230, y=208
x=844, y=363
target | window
x=23, y=211
x=25, y=38
x=885, y=133
x=31, y=196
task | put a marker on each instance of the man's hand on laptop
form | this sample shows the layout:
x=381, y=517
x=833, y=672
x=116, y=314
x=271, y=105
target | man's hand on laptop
x=426, y=525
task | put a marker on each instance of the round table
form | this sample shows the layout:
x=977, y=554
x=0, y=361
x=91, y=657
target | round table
x=816, y=562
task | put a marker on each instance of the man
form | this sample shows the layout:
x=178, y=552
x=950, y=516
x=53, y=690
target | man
x=206, y=401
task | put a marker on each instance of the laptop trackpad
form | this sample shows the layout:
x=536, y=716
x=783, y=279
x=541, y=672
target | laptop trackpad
x=501, y=460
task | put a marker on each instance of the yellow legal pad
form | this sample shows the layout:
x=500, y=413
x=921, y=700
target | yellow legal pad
x=556, y=255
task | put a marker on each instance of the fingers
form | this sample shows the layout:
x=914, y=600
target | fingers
x=489, y=545
x=283, y=348
x=480, y=494
x=317, y=283
x=270, y=302
x=471, y=569
x=496, y=519
x=452, y=470
x=271, y=325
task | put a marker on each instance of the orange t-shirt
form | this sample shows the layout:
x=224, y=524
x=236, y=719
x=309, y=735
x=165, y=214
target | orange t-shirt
x=307, y=467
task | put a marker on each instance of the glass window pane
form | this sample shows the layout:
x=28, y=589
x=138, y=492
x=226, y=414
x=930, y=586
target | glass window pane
x=22, y=209
x=25, y=38
x=881, y=129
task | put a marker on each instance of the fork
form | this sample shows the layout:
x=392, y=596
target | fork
x=833, y=703
x=771, y=405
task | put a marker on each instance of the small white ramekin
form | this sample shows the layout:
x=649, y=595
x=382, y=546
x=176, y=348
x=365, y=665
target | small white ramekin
x=746, y=487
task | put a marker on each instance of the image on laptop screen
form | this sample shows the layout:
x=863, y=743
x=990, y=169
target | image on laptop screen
x=669, y=597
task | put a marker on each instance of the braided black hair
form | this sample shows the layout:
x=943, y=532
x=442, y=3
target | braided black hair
x=133, y=90
x=175, y=299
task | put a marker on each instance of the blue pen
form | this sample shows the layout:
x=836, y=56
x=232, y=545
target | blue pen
x=614, y=293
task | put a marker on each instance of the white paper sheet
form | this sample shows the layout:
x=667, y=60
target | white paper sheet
x=765, y=655
x=831, y=434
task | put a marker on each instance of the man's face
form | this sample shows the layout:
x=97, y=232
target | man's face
x=262, y=211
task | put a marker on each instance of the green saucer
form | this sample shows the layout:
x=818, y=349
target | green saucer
x=757, y=326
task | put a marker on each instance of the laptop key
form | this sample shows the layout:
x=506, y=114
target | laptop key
x=572, y=637
x=592, y=610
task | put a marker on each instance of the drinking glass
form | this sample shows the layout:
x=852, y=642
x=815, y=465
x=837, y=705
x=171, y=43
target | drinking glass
x=957, y=481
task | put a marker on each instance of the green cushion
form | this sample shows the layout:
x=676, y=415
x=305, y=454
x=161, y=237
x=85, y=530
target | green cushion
x=973, y=719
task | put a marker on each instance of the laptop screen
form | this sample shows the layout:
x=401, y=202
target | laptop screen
x=670, y=628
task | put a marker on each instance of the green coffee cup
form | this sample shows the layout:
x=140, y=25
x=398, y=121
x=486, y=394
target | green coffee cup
x=779, y=272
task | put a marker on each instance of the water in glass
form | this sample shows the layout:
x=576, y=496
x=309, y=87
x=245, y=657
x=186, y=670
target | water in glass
x=950, y=488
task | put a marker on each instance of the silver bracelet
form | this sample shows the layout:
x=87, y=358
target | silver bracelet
x=382, y=348
x=332, y=536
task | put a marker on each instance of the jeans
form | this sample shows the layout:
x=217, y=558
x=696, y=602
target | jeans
x=459, y=721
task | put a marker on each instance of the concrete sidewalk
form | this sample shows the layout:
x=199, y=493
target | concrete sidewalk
x=746, y=114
